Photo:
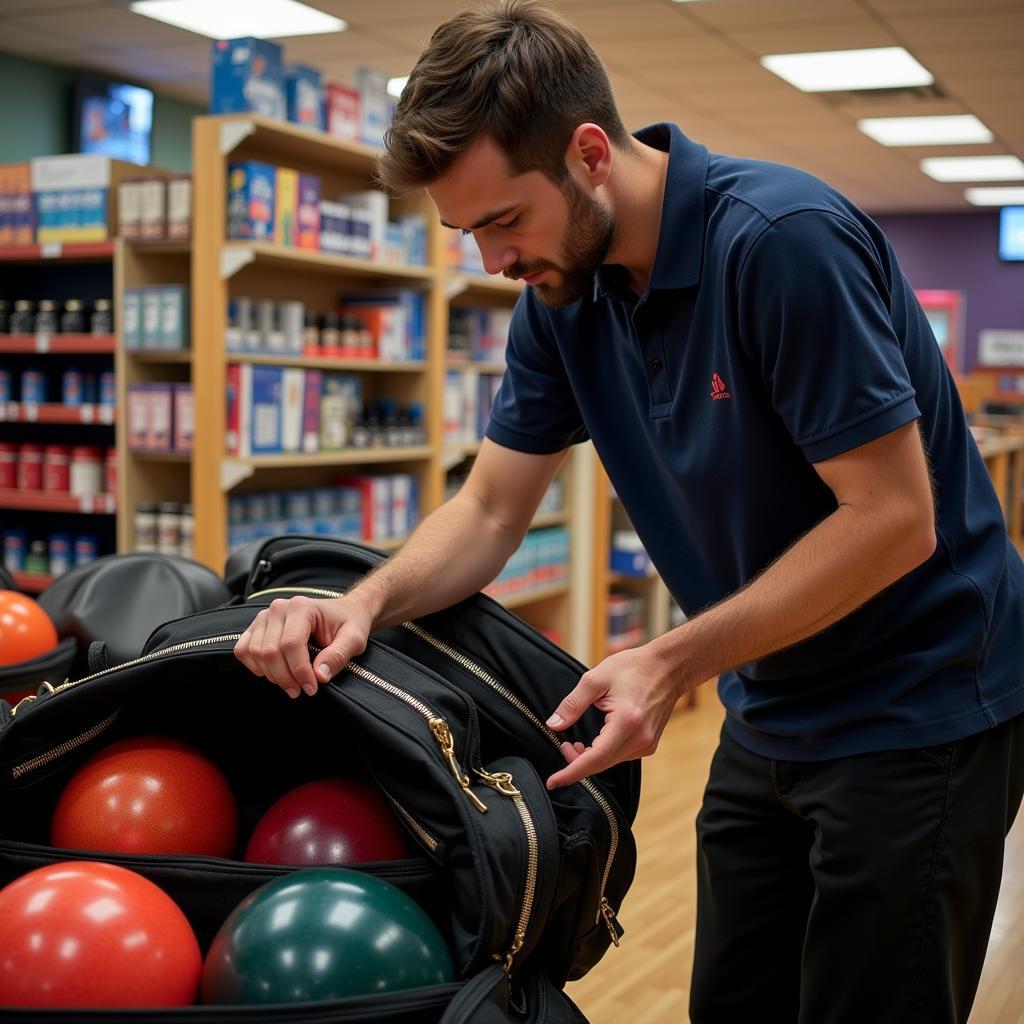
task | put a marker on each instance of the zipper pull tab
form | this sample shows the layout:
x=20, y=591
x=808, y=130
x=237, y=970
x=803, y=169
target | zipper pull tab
x=263, y=567
x=501, y=781
x=506, y=960
x=45, y=690
x=610, y=920
x=443, y=735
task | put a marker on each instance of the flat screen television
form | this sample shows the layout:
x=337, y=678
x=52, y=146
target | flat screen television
x=1011, y=233
x=112, y=118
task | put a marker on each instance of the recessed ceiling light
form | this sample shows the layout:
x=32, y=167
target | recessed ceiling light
x=885, y=67
x=995, y=196
x=232, y=19
x=951, y=130
x=396, y=85
x=973, y=168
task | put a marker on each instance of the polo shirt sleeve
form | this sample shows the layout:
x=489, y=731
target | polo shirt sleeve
x=814, y=316
x=535, y=410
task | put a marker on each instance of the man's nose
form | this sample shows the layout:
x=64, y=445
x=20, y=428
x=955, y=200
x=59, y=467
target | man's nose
x=496, y=256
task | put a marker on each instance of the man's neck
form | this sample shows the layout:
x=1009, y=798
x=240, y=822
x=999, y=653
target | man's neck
x=638, y=193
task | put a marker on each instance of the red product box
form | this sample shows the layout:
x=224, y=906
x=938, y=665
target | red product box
x=342, y=104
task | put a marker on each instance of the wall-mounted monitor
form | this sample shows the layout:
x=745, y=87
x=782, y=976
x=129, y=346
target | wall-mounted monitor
x=112, y=118
x=1011, y=233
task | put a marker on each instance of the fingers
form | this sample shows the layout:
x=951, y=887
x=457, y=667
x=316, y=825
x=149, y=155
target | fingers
x=605, y=751
x=276, y=645
x=347, y=643
x=586, y=692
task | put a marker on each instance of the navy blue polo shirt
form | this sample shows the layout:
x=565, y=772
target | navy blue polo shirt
x=778, y=331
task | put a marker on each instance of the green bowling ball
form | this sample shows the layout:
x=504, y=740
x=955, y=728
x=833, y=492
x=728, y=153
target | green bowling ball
x=323, y=933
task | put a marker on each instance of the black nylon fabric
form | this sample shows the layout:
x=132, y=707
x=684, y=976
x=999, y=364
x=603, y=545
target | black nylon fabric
x=472, y=880
x=537, y=673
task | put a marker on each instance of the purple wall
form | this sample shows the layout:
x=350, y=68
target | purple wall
x=959, y=252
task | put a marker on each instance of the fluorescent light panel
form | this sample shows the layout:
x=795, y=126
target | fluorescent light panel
x=885, y=67
x=973, y=168
x=396, y=85
x=232, y=19
x=995, y=196
x=951, y=130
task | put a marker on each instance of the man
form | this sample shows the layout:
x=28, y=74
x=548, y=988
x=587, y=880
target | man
x=765, y=393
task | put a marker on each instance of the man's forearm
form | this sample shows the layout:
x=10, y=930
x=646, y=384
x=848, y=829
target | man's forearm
x=456, y=550
x=832, y=570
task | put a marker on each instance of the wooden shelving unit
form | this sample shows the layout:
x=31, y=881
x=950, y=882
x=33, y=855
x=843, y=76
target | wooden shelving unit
x=223, y=268
x=55, y=412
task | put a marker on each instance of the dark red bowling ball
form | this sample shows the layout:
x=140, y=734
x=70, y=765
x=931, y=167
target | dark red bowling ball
x=149, y=794
x=89, y=934
x=329, y=821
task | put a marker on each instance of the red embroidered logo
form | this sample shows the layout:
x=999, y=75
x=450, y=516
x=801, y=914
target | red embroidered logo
x=718, y=389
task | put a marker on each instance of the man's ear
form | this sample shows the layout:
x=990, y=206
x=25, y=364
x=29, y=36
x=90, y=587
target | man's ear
x=588, y=156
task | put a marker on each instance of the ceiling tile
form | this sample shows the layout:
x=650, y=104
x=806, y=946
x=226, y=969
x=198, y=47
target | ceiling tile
x=751, y=13
x=115, y=25
x=625, y=20
x=967, y=29
x=855, y=34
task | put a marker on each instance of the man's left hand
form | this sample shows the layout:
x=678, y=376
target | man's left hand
x=637, y=693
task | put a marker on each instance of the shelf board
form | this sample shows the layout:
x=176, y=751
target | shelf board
x=533, y=596
x=159, y=357
x=266, y=254
x=631, y=579
x=145, y=456
x=32, y=582
x=78, y=344
x=290, y=142
x=47, y=501
x=346, y=457
x=69, y=252
x=479, y=367
x=549, y=519
x=389, y=543
x=54, y=412
x=328, y=362
x=168, y=246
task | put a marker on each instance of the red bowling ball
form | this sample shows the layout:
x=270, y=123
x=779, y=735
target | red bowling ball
x=80, y=934
x=26, y=631
x=149, y=794
x=328, y=822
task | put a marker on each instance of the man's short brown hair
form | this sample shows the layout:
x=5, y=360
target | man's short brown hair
x=515, y=71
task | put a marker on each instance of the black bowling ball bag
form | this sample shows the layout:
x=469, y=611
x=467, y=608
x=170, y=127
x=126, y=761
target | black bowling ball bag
x=522, y=884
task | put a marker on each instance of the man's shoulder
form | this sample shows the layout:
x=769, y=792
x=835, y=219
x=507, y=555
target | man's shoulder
x=761, y=193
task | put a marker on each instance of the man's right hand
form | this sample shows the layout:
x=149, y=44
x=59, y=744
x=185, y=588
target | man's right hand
x=276, y=644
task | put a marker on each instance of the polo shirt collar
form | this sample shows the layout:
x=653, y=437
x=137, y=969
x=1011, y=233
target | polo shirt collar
x=681, y=233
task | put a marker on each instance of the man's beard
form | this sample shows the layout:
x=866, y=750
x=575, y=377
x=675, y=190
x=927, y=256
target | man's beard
x=587, y=242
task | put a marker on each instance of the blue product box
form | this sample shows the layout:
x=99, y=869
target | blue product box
x=251, y=201
x=303, y=94
x=630, y=563
x=247, y=75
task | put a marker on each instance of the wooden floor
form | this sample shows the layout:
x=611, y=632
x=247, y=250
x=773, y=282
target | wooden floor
x=646, y=980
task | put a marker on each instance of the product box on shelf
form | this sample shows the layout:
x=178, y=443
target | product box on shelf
x=304, y=96
x=308, y=213
x=247, y=75
x=74, y=196
x=371, y=204
x=174, y=317
x=266, y=410
x=17, y=225
x=184, y=417
x=179, y=207
x=628, y=555
x=341, y=111
x=131, y=319
x=286, y=202
x=251, y=201
x=152, y=209
x=374, y=105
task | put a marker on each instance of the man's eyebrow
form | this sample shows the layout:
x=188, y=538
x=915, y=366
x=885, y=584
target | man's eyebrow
x=485, y=219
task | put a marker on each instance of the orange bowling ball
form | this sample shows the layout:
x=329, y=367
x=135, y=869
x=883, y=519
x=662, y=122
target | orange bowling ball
x=148, y=794
x=79, y=934
x=26, y=631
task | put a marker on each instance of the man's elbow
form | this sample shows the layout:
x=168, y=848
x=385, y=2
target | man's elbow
x=917, y=541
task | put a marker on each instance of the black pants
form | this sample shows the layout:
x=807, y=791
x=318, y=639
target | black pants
x=859, y=890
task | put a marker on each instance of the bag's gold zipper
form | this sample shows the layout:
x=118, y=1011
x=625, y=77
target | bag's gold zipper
x=605, y=909
x=428, y=840
x=502, y=782
x=153, y=656
x=439, y=729
x=65, y=748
